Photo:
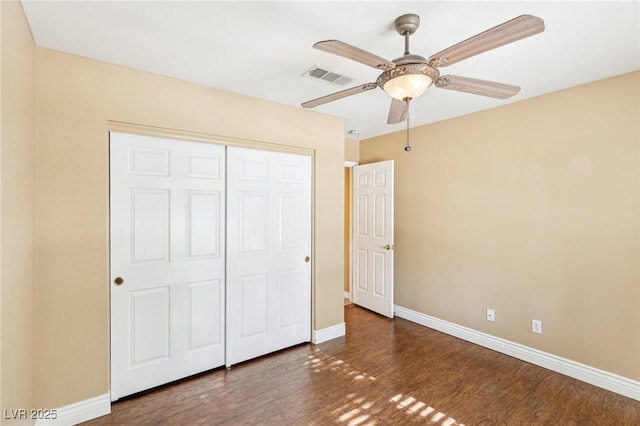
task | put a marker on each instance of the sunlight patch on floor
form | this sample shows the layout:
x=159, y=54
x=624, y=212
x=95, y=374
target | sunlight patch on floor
x=357, y=411
x=414, y=407
x=329, y=363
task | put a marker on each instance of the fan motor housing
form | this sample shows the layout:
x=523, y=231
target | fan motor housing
x=409, y=59
x=407, y=24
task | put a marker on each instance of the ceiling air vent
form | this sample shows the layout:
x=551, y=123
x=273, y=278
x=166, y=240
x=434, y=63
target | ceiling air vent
x=322, y=74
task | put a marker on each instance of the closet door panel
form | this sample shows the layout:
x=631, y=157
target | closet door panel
x=167, y=216
x=268, y=252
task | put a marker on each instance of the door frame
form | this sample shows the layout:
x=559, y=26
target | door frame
x=143, y=130
x=349, y=225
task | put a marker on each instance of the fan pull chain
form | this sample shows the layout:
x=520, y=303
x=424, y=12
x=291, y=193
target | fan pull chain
x=407, y=148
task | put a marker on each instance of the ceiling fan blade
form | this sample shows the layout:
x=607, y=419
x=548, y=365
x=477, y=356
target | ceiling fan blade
x=397, y=112
x=477, y=87
x=339, y=95
x=354, y=53
x=508, y=32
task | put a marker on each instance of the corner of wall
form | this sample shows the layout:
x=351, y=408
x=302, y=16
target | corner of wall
x=1, y=92
x=351, y=150
x=17, y=215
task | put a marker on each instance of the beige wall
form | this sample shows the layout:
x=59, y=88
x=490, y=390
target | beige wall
x=351, y=150
x=76, y=98
x=531, y=209
x=17, y=210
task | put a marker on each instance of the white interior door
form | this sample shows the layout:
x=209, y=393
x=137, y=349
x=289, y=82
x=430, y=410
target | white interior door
x=372, y=206
x=167, y=245
x=268, y=252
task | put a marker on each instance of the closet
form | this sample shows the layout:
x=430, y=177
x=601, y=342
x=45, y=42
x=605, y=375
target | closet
x=210, y=257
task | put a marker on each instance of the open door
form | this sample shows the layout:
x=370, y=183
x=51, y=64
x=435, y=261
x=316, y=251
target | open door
x=372, y=204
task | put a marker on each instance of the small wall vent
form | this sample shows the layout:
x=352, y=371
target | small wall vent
x=324, y=75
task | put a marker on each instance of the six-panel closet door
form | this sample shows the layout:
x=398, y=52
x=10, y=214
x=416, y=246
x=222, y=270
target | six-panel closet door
x=167, y=260
x=210, y=257
x=268, y=252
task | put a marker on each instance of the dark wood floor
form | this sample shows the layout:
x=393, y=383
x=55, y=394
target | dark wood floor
x=383, y=372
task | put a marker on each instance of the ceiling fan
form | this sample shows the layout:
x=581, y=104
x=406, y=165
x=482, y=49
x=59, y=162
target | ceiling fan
x=409, y=76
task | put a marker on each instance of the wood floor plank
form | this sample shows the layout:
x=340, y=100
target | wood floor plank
x=383, y=372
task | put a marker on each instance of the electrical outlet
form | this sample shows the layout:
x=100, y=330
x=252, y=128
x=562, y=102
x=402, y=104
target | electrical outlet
x=491, y=315
x=536, y=326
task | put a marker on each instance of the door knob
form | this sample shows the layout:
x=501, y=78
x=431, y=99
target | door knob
x=388, y=247
x=118, y=280
x=307, y=259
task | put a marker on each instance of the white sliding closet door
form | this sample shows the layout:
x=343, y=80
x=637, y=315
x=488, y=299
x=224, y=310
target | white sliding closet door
x=167, y=247
x=268, y=252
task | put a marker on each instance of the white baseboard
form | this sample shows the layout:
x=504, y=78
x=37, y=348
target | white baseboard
x=347, y=295
x=320, y=336
x=80, y=411
x=603, y=379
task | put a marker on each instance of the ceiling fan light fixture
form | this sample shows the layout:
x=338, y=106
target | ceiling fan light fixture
x=407, y=81
x=407, y=86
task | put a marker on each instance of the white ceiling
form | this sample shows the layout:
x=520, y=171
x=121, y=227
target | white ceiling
x=262, y=49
